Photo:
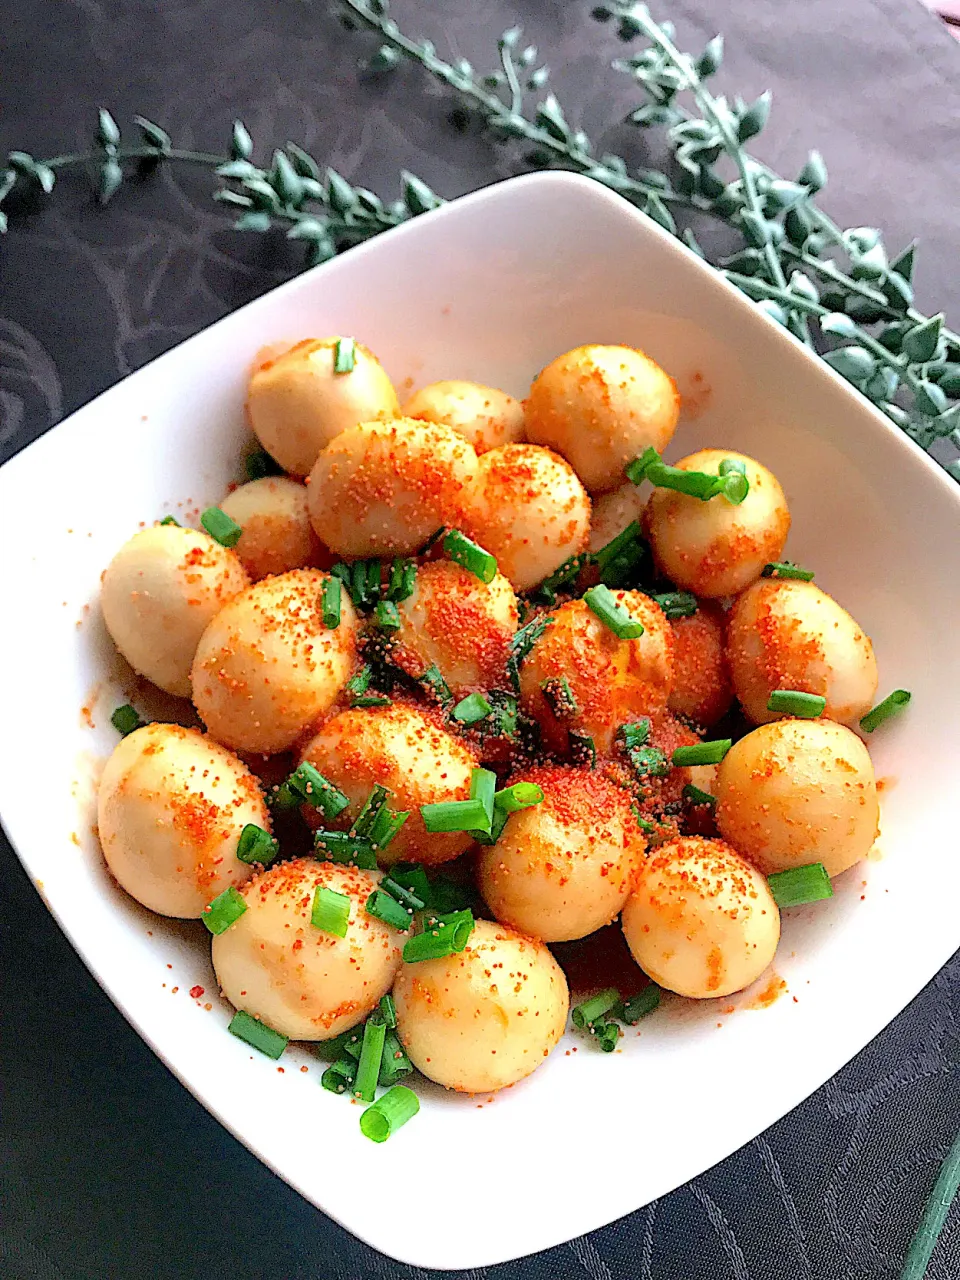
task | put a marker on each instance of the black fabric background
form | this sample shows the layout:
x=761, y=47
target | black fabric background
x=109, y=1168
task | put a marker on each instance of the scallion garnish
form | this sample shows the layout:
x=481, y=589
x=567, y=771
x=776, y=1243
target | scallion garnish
x=583, y=749
x=455, y=815
x=389, y=1113
x=367, y=816
x=370, y=700
x=636, y=471
x=387, y=616
x=634, y=734
x=806, y=706
x=171, y=520
x=330, y=603
x=257, y=1034
x=307, y=785
x=403, y=576
x=360, y=681
x=799, y=885
x=548, y=588
x=388, y=1010
x=702, y=752
x=406, y=897
x=648, y=762
x=890, y=706
x=522, y=642
x=225, y=910
x=442, y=936
x=601, y=601
x=490, y=837
x=413, y=877
x=366, y=582
x=256, y=845
x=386, y=826
x=345, y=849
x=258, y=465
x=371, y=1053
x=220, y=527
x=503, y=721
x=394, y=1065
x=522, y=795
x=435, y=684
x=676, y=604
x=458, y=547
x=344, y=355
x=472, y=708
x=784, y=569
x=731, y=480
x=618, y=562
x=330, y=912
x=695, y=796
x=125, y=719
x=607, y=1034
x=483, y=787
x=640, y=1005
x=340, y=1075
x=559, y=697
x=383, y=907
x=593, y=1010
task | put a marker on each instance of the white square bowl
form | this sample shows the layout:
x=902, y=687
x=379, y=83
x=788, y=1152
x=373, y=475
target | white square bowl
x=492, y=287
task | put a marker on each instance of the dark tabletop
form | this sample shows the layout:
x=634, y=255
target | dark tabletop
x=110, y=1168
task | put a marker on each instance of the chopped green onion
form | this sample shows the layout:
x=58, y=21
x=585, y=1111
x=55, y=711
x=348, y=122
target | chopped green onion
x=371, y=1054
x=490, y=837
x=636, y=471
x=607, y=1035
x=560, y=698
x=344, y=572
x=386, y=826
x=677, y=604
x=619, y=561
x=648, y=762
x=257, y=1034
x=388, y=1010
x=583, y=749
x=807, y=706
x=696, y=796
x=472, y=708
x=503, y=722
x=592, y=1010
x=522, y=795
x=330, y=912
x=225, y=910
x=383, y=907
x=220, y=527
x=547, y=589
x=307, y=785
x=170, y=520
x=413, y=877
x=892, y=703
x=436, y=685
x=455, y=815
x=403, y=576
x=601, y=601
x=732, y=466
x=365, y=578
x=641, y=1004
x=387, y=616
x=344, y=355
x=370, y=700
x=784, y=569
x=360, y=681
x=332, y=587
x=442, y=936
x=702, y=752
x=483, y=787
x=634, y=734
x=256, y=845
x=731, y=481
x=340, y=1075
x=522, y=642
x=695, y=484
x=389, y=1113
x=394, y=1065
x=368, y=815
x=406, y=897
x=460, y=548
x=345, y=849
x=347, y=1042
x=448, y=895
x=125, y=719
x=646, y=826
x=258, y=465
x=799, y=885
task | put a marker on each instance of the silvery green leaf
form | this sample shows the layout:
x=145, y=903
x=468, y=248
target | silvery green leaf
x=709, y=61
x=898, y=291
x=950, y=381
x=307, y=229
x=658, y=211
x=797, y=226
x=8, y=180
x=226, y=196
x=45, y=176
x=417, y=196
x=784, y=195
x=864, y=311
x=704, y=152
x=239, y=169
x=892, y=335
x=510, y=37
x=752, y=120
x=285, y=180
x=528, y=56
x=152, y=134
x=428, y=48
x=756, y=229
x=691, y=241
x=379, y=7
x=852, y=362
x=614, y=162
x=870, y=265
x=538, y=78
x=727, y=204
x=653, y=113
x=883, y=385
x=814, y=173
x=773, y=310
x=903, y=264
x=896, y=414
x=920, y=342
x=22, y=162
x=494, y=80
x=861, y=239
x=389, y=28
x=628, y=28
x=948, y=423
x=709, y=185
x=108, y=132
x=463, y=68
x=551, y=118
x=303, y=162
x=241, y=144
x=838, y=324
x=693, y=131
x=320, y=251
x=3, y=223
x=667, y=27
x=313, y=190
x=367, y=200
x=264, y=196
x=111, y=176
x=601, y=13
x=256, y=220
x=929, y=399
x=340, y=193
x=803, y=287
x=385, y=59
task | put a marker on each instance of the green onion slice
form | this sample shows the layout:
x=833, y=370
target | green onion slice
x=560, y=698
x=483, y=787
x=490, y=837
x=389, y=1113
x=676, y=604
x=257, y=1034
x=455, y=815
x=458, y=547
x=330, y=912
x=607, y=1035
x=807, y=706
x=368, y=815
x=332, y=588
x=258, y=465
x=125, y=719
x=695, y=796
x=890, y=706
x=799, y=885
x=436, y=685
x=731, y=480
x=394, y=1065
x=386, y=826
x=593, y=1010
x=522, y=795
x=412, y=876
x=443, y=935
x=388, y=1010
x=562, y=577
x=601, y=601
x=406, y=897
x=648, y=762
x=307, y=785
x=702, y=752
x=618, y=561
x=472, y=708
x=256, y=845
x=387, y=616
x=370, y=700
x=641, y=1004
x=225, y=910
x=340, y=1075
x=634, y=734
x=360, y=681
x=344, y=355
x=522, y=642
x=383, y=907
x=345, y=849
x=503, y=721
x=371, y=1054
x=636, y=471
x=403, y=576
x=170, y=520
x=220, y=527
x=784, y=569
x=583, y=749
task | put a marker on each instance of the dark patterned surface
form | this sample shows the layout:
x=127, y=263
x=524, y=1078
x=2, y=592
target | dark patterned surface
x=110, y=1168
